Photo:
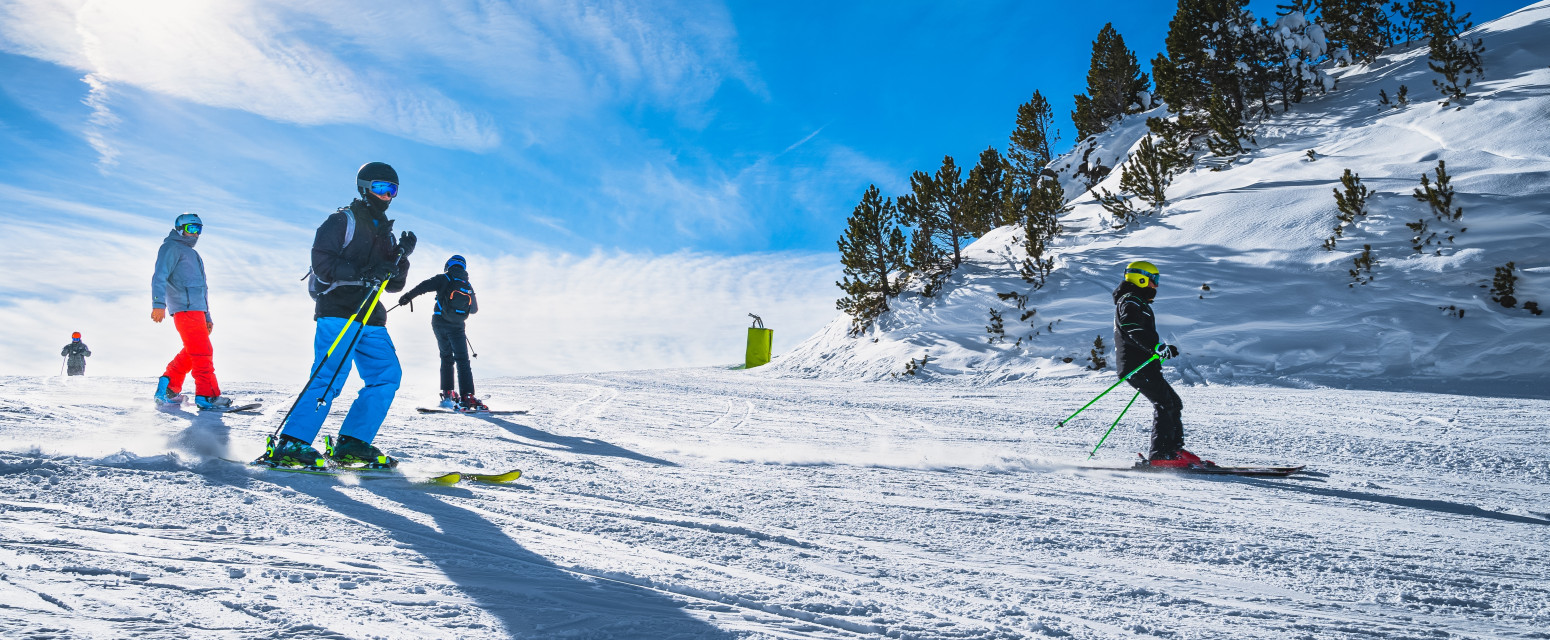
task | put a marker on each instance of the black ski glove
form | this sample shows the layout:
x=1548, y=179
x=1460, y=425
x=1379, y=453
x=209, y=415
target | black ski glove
x=404, y=299
x=381, y=273
x=1166, y=351
x=406, y=242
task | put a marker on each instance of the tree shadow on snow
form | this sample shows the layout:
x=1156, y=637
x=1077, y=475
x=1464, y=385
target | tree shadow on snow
x=526, y=593
x=583, y=446
x=1439, y=506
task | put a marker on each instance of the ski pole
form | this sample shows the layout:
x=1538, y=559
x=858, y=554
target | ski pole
x=1062, y=423
x=348, y=349
x=470, y=346
x=62, y=362
x=320, y=363
x=1116, y=423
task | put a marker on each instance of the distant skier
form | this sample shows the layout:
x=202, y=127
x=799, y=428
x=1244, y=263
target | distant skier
x=455, y=301
x=1135, y=341
x=178, y=287
x=76, y=353
x=352, y=254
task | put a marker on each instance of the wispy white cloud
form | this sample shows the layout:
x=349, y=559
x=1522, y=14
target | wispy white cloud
x=384, y=64
x=100, y=121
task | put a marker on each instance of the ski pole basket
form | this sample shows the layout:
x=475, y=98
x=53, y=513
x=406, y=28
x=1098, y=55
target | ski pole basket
x=760, y=340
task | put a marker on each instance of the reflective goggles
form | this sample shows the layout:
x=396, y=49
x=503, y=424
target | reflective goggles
x=1155, y=278
x=192, y=228
x=382, y=188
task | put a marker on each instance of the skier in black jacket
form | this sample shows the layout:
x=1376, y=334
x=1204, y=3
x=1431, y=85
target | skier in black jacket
x=1136, y=341
x=353, y=252
x=76, y=354
x=455, y=301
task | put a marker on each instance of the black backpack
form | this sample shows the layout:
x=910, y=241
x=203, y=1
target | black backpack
x=458, y=299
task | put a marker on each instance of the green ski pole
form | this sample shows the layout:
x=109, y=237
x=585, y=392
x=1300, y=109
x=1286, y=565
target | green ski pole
x=1116, y=423
x=1062, y=423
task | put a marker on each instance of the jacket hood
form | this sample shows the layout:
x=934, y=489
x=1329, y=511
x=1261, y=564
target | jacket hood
x=458, y=272
x=1126, y=288
x=179, y=237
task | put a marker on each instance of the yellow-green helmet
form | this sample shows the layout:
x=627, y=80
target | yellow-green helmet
x=1142, y=274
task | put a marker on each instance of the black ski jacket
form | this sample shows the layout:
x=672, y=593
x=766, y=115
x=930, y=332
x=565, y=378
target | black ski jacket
x=443, y=283
x=1135, y=330
x=77, y=353
x=334, y=261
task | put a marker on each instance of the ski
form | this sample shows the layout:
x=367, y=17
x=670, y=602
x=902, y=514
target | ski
x=367, y=473
x=1266, y=471
x=250, y=407
x=504, y=412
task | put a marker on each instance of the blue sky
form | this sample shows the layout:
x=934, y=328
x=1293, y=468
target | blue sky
x=745, y=127
x=673, y=165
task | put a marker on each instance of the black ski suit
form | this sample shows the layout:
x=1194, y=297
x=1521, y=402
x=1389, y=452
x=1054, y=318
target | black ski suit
x=451, y=337
x=1135, y=337
x=77, y=352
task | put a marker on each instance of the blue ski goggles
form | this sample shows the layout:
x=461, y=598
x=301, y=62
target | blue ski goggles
x=192, y=228
x=1154, y=277
x=380, y=187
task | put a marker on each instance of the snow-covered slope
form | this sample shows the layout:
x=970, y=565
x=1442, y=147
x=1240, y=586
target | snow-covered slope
x=697, y=504
x=1279, y=306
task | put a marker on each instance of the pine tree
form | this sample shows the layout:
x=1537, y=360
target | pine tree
x=1028, y=151
x=1457, y=59
x=1115, y=85
x=927, y=261
x=871, y=250
x=1362, y=27
x=985, y=193
x=937, y=208
x=1205, y=45
x=1227, y=132
x=1149, y=172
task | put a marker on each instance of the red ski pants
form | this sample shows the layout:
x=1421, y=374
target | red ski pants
x=197, y=355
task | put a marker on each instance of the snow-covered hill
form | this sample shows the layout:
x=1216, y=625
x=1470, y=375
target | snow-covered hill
x=1279, y=307
x=693, y=504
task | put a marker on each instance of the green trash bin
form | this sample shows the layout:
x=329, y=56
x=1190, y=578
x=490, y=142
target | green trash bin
x=760, y=340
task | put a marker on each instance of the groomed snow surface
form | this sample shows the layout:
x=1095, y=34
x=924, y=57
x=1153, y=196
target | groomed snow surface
x=712, y=503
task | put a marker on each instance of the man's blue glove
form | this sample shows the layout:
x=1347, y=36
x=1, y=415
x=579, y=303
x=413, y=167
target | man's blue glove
x=1166, y=351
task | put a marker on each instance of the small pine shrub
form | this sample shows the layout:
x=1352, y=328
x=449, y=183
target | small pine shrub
x=1351, y=204
x=1532, y=307
x=1503, y=285
x=1012, y=296
x=996, y=328
x=1312, y=156
x=914, y=367
x=1362, y=274
x=1440, y=196
x=1402, y=99
x=1383, y=99
x=1452, y=311
x=1096, y=355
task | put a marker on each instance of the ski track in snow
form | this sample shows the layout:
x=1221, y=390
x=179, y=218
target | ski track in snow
x=708, y=503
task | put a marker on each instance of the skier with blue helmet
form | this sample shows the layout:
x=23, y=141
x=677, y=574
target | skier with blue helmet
x=455, y=301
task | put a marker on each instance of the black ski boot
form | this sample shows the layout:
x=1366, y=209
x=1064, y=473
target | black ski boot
x=286, y=451
x=350, y=451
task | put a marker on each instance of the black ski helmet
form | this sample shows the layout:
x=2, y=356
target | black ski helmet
x=373, y=171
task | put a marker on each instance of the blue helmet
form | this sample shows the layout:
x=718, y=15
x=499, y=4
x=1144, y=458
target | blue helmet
x=455, y=260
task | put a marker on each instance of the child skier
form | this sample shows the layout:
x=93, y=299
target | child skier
x=77, y=353
x=1135, y=341
x=178, y=287
x=454, y=303
x=353, y=254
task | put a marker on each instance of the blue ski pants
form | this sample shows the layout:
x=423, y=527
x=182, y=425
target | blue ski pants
x=376, y=360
